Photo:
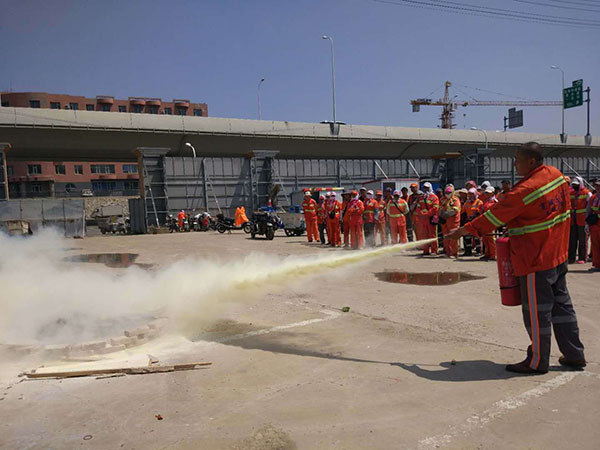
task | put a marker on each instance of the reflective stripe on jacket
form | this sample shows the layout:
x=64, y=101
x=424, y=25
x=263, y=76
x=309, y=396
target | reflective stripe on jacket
x=369, y=212
x=536, y=213
x=579, y=202
x=397, y=210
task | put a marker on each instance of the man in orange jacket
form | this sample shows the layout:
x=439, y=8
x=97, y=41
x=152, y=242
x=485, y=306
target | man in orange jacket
x=355, y=210
x=489, y=242
x=593, y=210
x=471, y=210
x=396, y=211
x=180, y=218
x=346, y=218
x=450, y=214
x=380, y=219
x=427, y=207
x=333, y=211
x=309, y=206
x=578, y=237
x=537, y=213
x=369, y=214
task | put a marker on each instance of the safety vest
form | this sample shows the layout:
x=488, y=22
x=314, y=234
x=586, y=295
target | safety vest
x=579, y=201
x=397, y=209
x=369, y=213
x=334, y=207
x=472, y=208
x=536, y=213
x=595, y=207
x=309, y=206
x=429, y=206
x=321, y=212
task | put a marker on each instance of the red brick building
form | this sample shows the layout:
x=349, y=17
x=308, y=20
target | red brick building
x=74, y=179
x=28, y=179
x=106, y=103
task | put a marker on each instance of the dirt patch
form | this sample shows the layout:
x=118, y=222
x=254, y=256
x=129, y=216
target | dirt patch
x=266, y=438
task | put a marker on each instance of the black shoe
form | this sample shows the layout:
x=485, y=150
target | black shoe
x=574, y=364
x=467, y=254
x=523, y=367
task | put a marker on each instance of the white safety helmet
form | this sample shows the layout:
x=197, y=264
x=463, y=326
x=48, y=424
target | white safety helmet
x=370, y=192
x=307, y=193
x=485, y=184
x=396, y=192
x=489, y=190
x=333, y=194
x=328, y=194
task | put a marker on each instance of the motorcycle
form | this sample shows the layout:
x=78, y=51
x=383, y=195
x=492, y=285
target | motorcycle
x=264, y=223
x=172, y=223
x=227, y=224
x=204, y=222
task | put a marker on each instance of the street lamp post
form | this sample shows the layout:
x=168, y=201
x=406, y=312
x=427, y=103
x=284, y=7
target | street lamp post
x=332, y=75
x=484, y=133
x=563, y=136
x=258, y=96
x=193, y=170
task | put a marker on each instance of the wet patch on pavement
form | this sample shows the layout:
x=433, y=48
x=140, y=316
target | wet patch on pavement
x=114, y=260
x=426, y=278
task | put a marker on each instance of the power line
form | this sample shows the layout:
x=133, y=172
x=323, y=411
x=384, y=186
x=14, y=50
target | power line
x=576, y=3
x=478, y=11
x=489, y=92
x=559, y=6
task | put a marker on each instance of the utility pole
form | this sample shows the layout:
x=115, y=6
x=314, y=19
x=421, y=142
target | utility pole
x=588, y=136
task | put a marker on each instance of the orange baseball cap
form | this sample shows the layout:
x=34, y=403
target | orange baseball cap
x=414, y=185
x=379, y=192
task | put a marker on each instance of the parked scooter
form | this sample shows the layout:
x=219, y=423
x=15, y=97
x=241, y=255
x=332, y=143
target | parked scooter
x=172, y=223
x=225, y=223
x=264, y=224
x=204, y=222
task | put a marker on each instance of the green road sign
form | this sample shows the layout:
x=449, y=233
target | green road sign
x=573, y=96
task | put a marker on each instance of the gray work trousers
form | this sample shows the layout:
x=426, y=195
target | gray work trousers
x=577, y=243
x=546, y=302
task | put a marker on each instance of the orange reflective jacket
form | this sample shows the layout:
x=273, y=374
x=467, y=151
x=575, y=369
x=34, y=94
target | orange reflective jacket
x=595, y=208
x=370, y=206
x=309, y=206
x=321, y=212
x=472, y=208
x=537, y=215
x=396, y=210
x=381, y=204
x=334, y=207
x=428, y=207
x=579, y=202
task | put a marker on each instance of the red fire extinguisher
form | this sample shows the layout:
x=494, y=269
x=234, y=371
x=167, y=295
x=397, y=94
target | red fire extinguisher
x=510, y=290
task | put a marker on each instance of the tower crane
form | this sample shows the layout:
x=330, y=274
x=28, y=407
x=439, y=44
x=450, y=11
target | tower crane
x=449, y=105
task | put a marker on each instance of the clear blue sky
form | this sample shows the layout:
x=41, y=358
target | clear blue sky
x=216, y=51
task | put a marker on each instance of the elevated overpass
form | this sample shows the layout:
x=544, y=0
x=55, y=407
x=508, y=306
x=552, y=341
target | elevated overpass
x=93, y=135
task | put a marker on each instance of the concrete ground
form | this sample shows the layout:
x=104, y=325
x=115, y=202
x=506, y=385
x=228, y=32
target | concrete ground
x=407, y=367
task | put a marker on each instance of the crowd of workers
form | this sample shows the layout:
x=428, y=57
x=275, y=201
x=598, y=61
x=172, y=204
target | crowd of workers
x=365, y=218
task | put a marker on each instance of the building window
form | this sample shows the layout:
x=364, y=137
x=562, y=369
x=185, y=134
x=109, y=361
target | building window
x=168, y=111
x=103, y=186
x=103, y=168
x=34, y=103
x=34, y=169
x=74, y=106
x=78, y=169
x=36, y=188
x=5, y=104
x=181, y=111
x=198, y=112
x=53, y=105
x=131, y=185
x=122, y=108
x=89, y=107
x=130, y=168
x=9, y=171
x=152, y=109
x=106, y=107
x=70, y=187
x=60, y=169
x=138, y=109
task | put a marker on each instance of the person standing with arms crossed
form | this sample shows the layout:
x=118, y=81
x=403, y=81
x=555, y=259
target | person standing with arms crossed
x=537, y=215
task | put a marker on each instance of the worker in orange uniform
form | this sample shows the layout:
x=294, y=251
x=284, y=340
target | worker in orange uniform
x=180, y=218
x=450, y=217
x=370, y=213
x=321, y=222
x=346, y=218
x=471, y=210
x=309, y=206
x=593, y=223
x=355, y=210
x=537, y=215
x=488, y=199
x=411, y=200
x=396, y=211
x=380, y=219
x=578, y=239
x=333, y=210
x=427, y=207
